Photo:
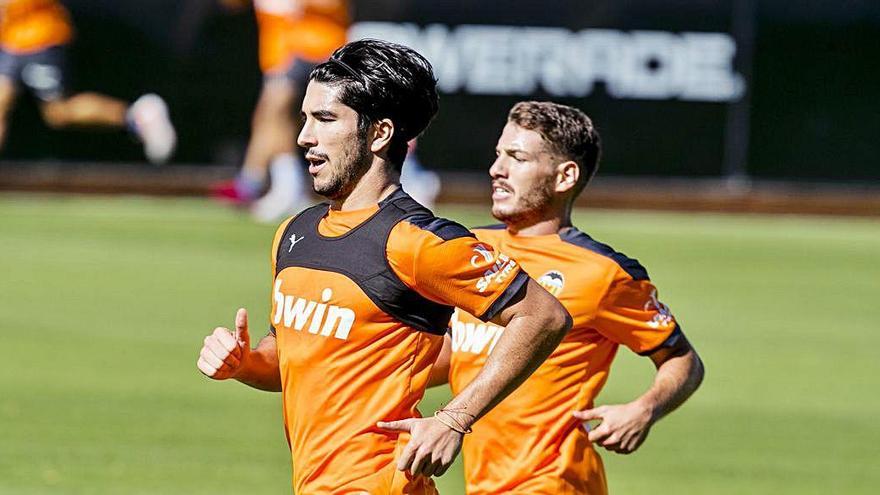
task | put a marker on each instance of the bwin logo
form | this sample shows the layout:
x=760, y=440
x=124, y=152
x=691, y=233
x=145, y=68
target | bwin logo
x=474, y=337
x=296, y=312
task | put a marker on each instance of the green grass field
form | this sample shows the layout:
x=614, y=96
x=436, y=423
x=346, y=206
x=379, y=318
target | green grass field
x=104, y=304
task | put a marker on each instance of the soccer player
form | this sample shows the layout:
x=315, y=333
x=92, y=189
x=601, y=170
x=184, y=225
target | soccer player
x=294, y=36
x=537, y=441
x=34, y=35
x=363, y=290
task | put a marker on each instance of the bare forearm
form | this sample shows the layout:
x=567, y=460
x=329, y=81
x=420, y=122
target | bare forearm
x=525, y=344
x=261, y=370
x=677, y=379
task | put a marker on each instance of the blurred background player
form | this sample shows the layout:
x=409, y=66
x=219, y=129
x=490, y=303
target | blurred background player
x=533, y=442
x=294, y=36
x=422, y=184
x=34, y=35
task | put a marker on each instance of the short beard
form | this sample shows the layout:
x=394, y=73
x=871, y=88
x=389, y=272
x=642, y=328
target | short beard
x=354, y=166
x=530, y=207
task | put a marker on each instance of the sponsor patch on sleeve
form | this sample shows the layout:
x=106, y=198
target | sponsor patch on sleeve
x=500, y=267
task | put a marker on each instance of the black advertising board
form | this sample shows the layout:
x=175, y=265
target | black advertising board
x=677, y=88
x=656, y=77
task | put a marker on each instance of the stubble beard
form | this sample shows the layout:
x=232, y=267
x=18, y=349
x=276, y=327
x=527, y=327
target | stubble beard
x=530, y=206
x=354, y=164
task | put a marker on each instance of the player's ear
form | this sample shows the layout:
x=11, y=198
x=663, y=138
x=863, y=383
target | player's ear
x=383, y=131
x=567, y=174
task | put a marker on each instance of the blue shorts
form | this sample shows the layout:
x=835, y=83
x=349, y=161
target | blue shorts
x=44, y=73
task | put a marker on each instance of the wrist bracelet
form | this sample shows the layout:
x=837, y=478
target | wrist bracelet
x=458, y=428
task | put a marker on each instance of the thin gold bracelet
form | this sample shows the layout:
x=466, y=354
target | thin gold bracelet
x=459, y=410
x=455, y=428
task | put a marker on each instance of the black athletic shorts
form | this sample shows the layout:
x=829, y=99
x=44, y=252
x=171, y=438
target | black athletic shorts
x=44, y=73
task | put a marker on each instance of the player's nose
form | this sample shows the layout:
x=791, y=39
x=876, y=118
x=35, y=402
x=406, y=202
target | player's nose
x=498, y=169
x=306, y=137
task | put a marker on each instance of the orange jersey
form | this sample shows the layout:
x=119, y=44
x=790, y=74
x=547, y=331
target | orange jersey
x=530, y=443
x=347, y=357
x=299, y=29
x=28, y=26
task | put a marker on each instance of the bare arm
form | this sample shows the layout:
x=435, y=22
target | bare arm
x=261, y=368
x=625, y=426
x=440, y=371
x=679, y=373
x=227, y=355
x=535, y=324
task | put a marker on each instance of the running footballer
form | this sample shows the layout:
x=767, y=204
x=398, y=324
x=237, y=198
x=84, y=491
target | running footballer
x=534, y=442
x=363, y=288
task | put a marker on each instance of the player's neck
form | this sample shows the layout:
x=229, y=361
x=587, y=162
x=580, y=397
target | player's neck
x=375, y=185
x=548, y=222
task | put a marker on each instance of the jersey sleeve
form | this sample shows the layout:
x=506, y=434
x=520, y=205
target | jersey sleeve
x=632, y=315
x=445, y=263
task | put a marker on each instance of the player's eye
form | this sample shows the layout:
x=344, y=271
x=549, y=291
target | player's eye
x=323, y=116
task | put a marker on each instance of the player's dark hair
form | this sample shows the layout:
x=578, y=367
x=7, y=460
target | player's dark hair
x=568, y=132
x=379, y=80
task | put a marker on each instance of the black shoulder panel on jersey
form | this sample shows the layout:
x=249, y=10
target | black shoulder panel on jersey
x=494, y=226
x=423, y=218
x=629, y=265
x=360, y=255
x=441, y=227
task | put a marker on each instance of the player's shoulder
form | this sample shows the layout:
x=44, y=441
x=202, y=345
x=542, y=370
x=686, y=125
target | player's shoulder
x=280, y=231
x=424, y=238
x=491, y=227
x=489, y=233
x=427, y=224
x=416, y=220
x=614, y=259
